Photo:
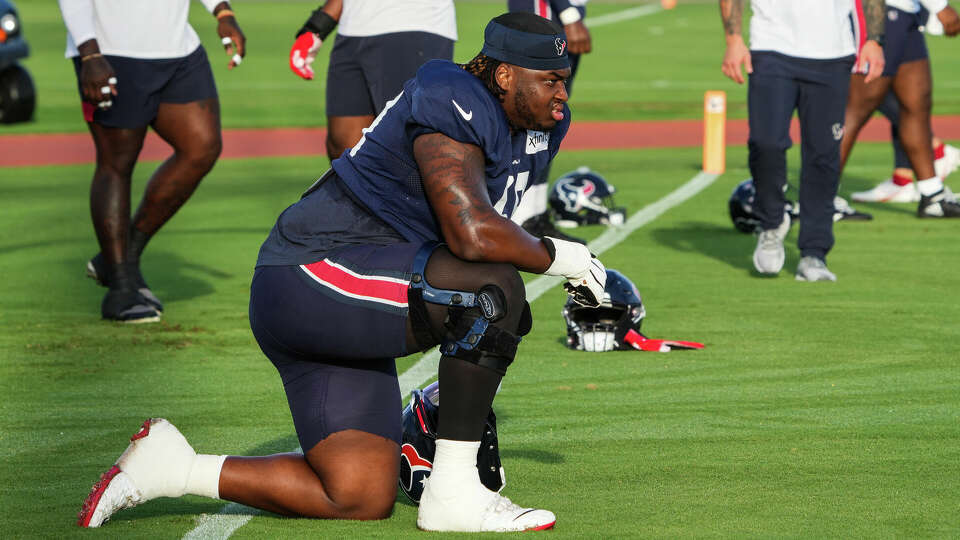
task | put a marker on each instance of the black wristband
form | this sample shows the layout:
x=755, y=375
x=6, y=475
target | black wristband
x=319, y=23
x=551, y=249
x=879, y=39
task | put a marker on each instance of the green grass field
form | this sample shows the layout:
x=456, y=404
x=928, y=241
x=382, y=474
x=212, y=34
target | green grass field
x=816, y=410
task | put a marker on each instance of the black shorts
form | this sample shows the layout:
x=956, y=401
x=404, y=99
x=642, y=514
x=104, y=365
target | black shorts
x=904, y=40
x=367, y=72
x=143, y=84
x=332, y=329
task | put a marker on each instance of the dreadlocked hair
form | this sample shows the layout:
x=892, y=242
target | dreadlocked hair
x=485, y=68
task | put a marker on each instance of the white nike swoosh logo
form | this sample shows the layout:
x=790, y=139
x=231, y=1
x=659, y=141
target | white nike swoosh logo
x=466, y=115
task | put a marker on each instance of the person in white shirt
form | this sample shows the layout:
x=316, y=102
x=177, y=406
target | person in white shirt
x=907, y=75
x=800, y=58
x=379, y=45
x=140, y=64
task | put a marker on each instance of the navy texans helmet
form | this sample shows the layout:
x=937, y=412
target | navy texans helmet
x=419, y=444
x=603, y=328
x=583, y=197
x=741, y=207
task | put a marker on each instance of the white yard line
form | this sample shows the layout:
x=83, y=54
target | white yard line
x=623, y=15
x=233, y=516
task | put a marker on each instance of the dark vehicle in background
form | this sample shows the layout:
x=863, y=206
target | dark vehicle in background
x=18, y=97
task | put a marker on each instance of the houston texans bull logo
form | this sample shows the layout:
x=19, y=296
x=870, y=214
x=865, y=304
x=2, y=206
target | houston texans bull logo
x=414, y=470
x=561, y=45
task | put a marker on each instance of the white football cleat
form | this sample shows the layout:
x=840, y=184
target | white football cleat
x=948, y=163
x=480, y=511
x=888, y=191
x=157, y=463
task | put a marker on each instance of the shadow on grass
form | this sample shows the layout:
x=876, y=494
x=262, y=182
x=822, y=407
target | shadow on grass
x=171, y=277
x=724, y=244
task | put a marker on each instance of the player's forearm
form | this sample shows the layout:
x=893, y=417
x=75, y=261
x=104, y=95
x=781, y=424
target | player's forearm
x=454, y=182
x=874, y=12
x=731, y=13
x=333, y=8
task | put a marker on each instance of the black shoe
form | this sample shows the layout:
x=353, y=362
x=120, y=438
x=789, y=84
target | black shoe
x=843, y=211
x=127, y=306
x=97, y=271
x=941, y=204
x=540, y=225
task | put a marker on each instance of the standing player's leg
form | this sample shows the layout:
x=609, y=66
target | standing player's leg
x=899, y=187
x=913, y=86
x=116, y=154
x=821, y=109
x=188, y=118
x=771, y=100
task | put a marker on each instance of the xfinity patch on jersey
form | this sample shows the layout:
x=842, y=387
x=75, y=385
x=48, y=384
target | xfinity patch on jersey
x=537, y=141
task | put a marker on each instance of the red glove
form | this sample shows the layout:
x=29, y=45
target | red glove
x=303, y=53
x=643, y=343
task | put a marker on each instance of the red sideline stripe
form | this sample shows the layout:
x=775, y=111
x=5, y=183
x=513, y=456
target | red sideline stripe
x=384, y=290
x=71, y=148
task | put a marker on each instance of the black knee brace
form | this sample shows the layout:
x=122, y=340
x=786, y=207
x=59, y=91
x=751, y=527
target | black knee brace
x=468, y=333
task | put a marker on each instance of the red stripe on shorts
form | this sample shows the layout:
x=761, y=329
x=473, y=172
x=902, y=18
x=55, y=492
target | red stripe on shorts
x=385, y=290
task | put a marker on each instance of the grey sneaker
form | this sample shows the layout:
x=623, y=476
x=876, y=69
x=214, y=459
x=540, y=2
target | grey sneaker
x=769, y=256
x=814, y=269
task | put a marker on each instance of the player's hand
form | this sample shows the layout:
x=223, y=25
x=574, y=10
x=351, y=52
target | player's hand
x=234, y=42
x=98, y=81
x=870, y=61
x=736, y=55
x=951, y=22
x=586, y=276
x=578, y=38
x=303, y=53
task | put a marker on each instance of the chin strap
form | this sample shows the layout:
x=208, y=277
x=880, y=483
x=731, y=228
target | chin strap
x=643, y=343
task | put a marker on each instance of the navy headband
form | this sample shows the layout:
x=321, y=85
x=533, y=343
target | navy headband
x=525, y=49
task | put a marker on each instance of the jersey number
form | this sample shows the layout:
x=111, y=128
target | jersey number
x=512, y=193
x=363, y=139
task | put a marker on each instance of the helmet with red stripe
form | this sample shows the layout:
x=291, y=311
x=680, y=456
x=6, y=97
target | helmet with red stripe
x=419, y=444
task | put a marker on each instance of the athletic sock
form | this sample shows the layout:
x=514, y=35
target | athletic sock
x=204, y=477
x=930, y=186
x=938, y=151
x=122, y=276
x=454, y=467
x=901, y=180
x=138, y=241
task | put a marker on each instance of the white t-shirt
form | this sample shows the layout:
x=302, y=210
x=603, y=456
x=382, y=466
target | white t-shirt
x=374, y=17
x=132, y=28
x=815, y=29
x=913, y=6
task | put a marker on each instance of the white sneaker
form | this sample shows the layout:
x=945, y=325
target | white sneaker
x=478, y=510
x=769, y=256
x=888, y=191
x=948, y=163
x=157, y=463
x=814, y=269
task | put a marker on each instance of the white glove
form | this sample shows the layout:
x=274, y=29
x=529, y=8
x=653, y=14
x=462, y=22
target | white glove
x=586, y=276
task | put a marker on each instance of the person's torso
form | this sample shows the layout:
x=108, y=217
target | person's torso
x=382, y=173
x=142, y=29
x=815, y=29
x=371, y=18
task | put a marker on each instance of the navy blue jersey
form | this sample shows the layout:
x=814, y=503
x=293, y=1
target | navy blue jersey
x=380, y=171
